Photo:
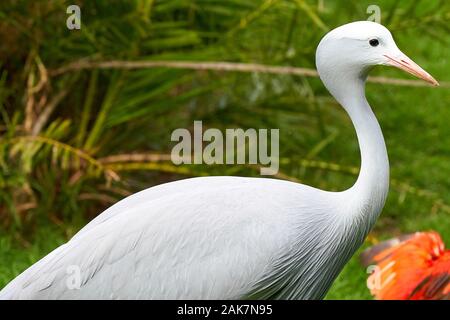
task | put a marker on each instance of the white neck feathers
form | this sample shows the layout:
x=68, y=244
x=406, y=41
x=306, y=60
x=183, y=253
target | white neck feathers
x=369, y=192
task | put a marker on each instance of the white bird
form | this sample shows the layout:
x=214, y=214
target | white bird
x=236, y=237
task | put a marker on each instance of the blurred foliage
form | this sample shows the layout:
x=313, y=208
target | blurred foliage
x=59, y=131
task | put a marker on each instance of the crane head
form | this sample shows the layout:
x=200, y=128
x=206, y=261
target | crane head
x=358, y=46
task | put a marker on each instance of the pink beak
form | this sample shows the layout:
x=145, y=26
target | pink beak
x=406, y=64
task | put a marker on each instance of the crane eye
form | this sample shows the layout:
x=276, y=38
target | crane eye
x=374, y=42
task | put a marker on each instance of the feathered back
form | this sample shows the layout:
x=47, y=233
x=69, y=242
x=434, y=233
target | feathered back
x=414, y=266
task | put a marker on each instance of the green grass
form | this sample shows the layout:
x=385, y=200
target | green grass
x=18, y=254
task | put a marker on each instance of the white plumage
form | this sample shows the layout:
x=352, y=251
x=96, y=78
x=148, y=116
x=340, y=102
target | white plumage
x=232, y=237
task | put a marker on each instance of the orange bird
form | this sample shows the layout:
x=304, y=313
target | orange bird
x=410, y=267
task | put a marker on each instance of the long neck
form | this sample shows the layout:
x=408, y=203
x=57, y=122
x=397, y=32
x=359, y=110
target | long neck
x=370, y=190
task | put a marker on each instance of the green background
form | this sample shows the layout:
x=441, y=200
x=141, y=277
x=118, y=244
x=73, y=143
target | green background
x=58, y=130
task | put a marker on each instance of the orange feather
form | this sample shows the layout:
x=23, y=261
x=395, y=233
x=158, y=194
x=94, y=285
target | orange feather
x=413, y=267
